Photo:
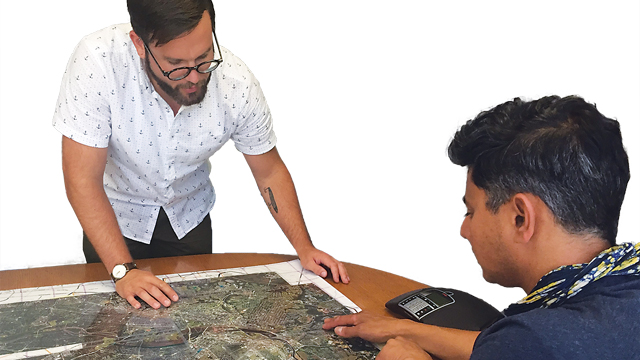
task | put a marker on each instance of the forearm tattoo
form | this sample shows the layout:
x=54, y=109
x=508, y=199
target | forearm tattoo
x=272, y=200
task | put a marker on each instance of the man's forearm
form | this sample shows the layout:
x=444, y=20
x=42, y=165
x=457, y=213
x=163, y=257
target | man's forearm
x=279, y=193
x=83, y=168
x=98, y=220
x=445, y=343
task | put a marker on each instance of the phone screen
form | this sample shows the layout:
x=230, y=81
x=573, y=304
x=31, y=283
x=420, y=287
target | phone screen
x=425, y=302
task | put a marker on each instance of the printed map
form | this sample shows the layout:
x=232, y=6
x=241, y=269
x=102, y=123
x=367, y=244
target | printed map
x=253, y=316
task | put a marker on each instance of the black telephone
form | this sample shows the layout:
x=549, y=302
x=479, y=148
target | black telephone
x=445, y=307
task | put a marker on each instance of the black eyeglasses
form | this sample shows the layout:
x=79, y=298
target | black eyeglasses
x=182, y=72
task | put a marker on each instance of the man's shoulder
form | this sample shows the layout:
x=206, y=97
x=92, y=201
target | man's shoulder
x=107, y=41
x=109, y=35
x=234, y=68
x=108, y=51
x=591, y=325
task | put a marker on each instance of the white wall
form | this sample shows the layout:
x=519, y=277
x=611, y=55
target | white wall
x=366, y=96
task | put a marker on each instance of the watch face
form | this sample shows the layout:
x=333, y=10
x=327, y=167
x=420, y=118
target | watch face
x=119, y=271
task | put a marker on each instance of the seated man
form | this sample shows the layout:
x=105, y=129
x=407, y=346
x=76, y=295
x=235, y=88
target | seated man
x=545, y=184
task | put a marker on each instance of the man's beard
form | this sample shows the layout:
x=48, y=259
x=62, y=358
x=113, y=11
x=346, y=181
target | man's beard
x=175, y=93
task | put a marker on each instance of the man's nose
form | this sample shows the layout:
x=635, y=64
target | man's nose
x=193, y=76
x=464, y=228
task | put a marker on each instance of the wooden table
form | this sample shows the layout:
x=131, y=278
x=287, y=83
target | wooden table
x=370, y=289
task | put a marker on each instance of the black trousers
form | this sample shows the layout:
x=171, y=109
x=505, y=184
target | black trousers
x=164, y=242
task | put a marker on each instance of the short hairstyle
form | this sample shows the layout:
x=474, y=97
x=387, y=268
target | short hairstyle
x=562, y=150
x=161, y=21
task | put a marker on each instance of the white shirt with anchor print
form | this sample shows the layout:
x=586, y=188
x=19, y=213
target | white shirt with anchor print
x=155, y=159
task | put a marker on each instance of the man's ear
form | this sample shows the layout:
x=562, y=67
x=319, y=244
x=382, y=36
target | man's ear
x=524, y=216
x=138, y=43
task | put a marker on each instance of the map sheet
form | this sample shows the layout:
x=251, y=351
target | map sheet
x=264, y=312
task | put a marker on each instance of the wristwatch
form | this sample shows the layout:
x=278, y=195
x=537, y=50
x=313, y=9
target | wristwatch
x=120, y=270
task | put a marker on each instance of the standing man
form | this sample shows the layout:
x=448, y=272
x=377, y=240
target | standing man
x=545, y=184
x=142, y=107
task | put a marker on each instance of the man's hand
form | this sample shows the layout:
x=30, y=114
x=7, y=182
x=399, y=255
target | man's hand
x=443, y=343
x=365, y=325
x=312, y=259
x=147, y=287
x=402, y=349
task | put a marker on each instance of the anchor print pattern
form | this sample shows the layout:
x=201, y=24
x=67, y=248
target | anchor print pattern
x=156, y=158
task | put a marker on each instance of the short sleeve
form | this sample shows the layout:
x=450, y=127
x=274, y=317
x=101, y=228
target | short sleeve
x=510, y=339
x=255, y=134
x=82, y=111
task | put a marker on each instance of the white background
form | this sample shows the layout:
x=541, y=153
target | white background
x=365, y=95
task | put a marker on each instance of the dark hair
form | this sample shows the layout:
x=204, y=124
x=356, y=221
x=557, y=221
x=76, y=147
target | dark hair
x=164, y=20
x=562, y=150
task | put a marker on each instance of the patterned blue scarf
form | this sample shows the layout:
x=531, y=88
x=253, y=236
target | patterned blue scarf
x=567, y=281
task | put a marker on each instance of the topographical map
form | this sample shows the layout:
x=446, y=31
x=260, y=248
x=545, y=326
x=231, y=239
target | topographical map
x=264, y=312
